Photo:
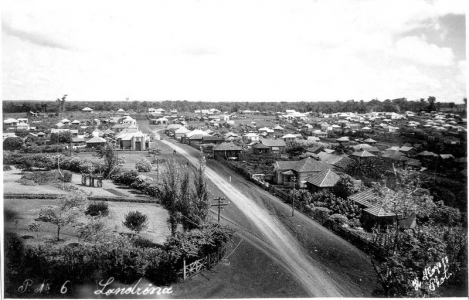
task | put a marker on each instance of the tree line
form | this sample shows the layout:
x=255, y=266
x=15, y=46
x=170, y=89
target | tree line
x=361, y=106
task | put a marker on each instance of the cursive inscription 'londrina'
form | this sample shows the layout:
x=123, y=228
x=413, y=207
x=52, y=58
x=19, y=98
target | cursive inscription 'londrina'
x=135, y=290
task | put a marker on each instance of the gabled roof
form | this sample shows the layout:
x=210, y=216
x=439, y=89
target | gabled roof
x=305, y=165
x=343, y=139
x=125, y=125
x=273, y=143
x=314, y=149
x=364, y=198
x=406, y=148
x=229, y=134
x=329, y=158
x=325, y=178
x=363, y=153
x=227, y=147
x=181, y=130
x=260, y=146
x=372, y=202
x=196, y=131
x=278, y=127
x=10, y=120
x=212, y=138
x=96, y=139
x=427, y=153
x=289, y=136
x=389, y=153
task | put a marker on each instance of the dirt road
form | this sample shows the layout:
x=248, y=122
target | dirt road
x=314, y=280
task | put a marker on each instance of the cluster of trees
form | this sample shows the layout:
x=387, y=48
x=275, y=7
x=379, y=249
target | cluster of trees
x=361, y=106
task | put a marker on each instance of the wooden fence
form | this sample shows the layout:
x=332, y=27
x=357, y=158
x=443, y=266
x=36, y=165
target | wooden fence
x=199, y=265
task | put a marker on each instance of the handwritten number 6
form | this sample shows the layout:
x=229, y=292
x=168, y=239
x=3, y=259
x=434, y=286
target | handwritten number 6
x=63, y=289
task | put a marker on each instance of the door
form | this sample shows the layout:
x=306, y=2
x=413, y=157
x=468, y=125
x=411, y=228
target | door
x=138, y=146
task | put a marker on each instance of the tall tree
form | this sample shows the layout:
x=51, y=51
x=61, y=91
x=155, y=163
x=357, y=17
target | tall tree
x=431, y=103
x=70, y=208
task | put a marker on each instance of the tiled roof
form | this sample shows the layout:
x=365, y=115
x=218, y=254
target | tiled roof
x=325, y=178
x=331, y=159
x=378, y=211
x=273, y=143
x=197, y=136
x=227, y=147
x=96, y=140
x=260, y=146
x=212, y=138
x=121, y=125
x=405, y=148
x=363, y=153
x=372, y=202
x=305, y=165
x=363, y=198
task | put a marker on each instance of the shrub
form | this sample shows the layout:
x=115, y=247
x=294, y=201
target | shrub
x=143, y=242
x=143, y=165
x=125, y=176
x=27, y=182
x=42, y=177
x=136, y=221
x=6, y=168
x=12, y=143
x=339, y=219
x=97, y=209
x=320, y=213
x=67, y=176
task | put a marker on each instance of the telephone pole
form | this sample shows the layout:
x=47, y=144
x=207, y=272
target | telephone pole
x=219, y=204
x=293, y=197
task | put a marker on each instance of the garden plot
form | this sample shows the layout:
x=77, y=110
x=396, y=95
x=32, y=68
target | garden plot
x=24, y=211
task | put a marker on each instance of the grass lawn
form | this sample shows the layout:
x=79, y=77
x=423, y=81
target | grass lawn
x=26, y=210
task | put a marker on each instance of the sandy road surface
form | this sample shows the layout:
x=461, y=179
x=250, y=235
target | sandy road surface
x=314, y=280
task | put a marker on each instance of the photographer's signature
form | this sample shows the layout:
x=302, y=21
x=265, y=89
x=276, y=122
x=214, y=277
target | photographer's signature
x=434, y=276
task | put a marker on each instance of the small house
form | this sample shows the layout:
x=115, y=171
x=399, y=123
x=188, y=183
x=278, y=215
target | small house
x=227, y=150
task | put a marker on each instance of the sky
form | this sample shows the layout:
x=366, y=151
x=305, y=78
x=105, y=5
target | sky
x=234, y=50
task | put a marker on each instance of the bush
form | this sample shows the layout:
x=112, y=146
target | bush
x=42, y=177
x=67, y=176
x=136, y=221
x=12, y=143
x=320, y=213
x=124, y=176
x=6, y=168
x=143, y=165
x=97, y=209
x=336, y=220
x=143, y=242
x=27, y=182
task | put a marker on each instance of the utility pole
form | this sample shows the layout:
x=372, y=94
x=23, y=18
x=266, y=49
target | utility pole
x=293, y=197
x=219, y=204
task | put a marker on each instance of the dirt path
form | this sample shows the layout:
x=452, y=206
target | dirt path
x=314, y=280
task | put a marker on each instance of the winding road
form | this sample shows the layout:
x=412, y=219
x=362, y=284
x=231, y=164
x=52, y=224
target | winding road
x=314, y=280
